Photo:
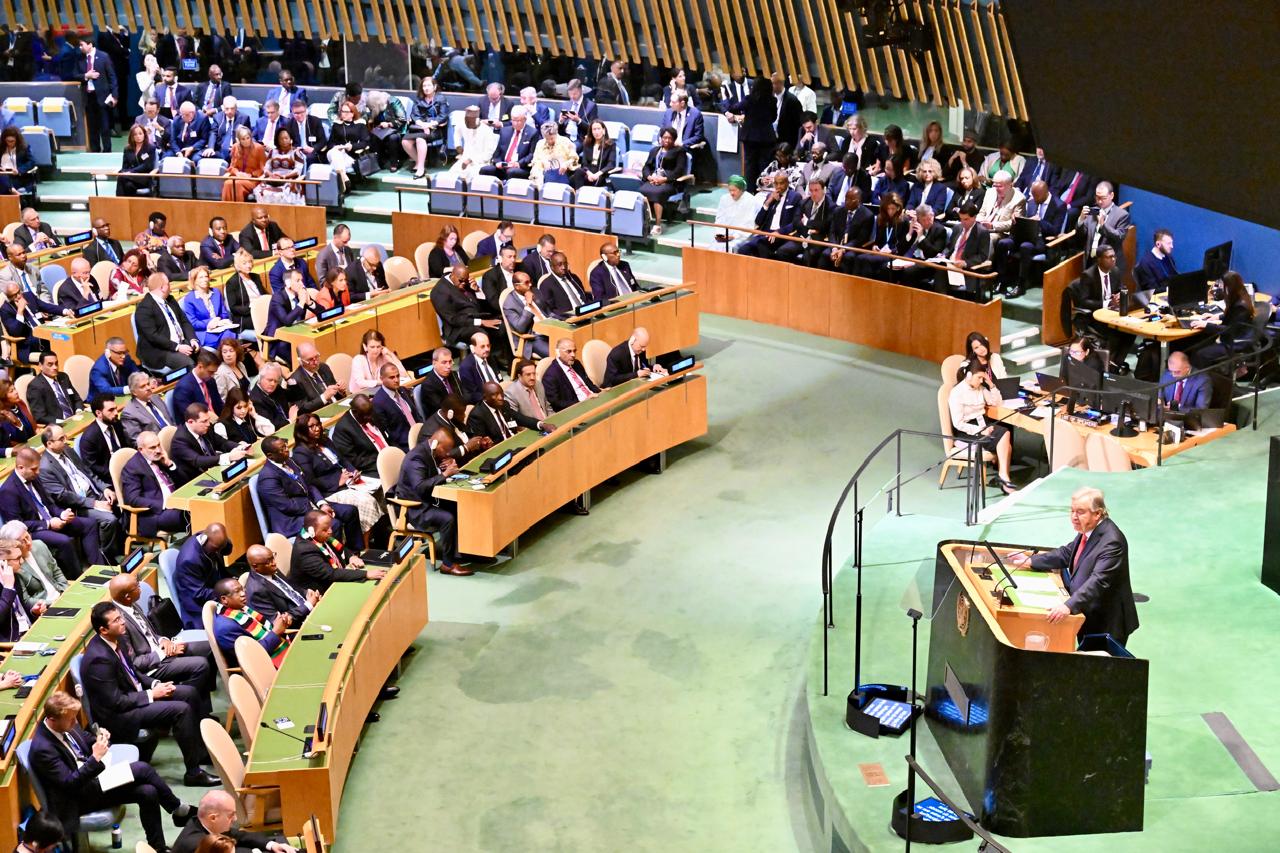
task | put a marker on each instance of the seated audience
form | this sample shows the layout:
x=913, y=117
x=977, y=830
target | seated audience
x=888, y=237
x=554, y=157
x=24, y=498
x=68, y=761
x=476, y=369
x=207, y=310
x=50, y=394
x=233, y=371
x=513, y=154
x=818, y=167
x=331, y=475
x=162, y=658
x=814, y=223
x=478, y=144
x=18, y=169
x=737, y=208
x=111, y=371
x=288, y=261
x=1039, y=169
x=394, y=408
x=440, y=382
x=928, y=188
x=598, y=159
x=337, y=253
x=932, y=147
x=537, y=261
x=1156, y=267
x=78, y=289
x=334, y=290
x=174, y=260
x=524, y=392
x=783, y=163
x=348, y=142
x=269, y=397
x=145, y=411
x=368, y=278
x=166, y=339
x=140, y=158
x=895, y=147
x=238, y=423
x=151, y=238
x=458, y=305
x=320, y=560
x=426, y=466
x=218, y=250
x=891, y=181
x=125, y=700
x=561, y=292
x=128, y=280
x=261, y=235
x=199, y=566
x=566, y=382
x=779, y=214
x=1104, y=224
x=968, y=404
x=34, y=235
x=241, y=288
x=189, y=134
x=103, y=436
x=387, y=124
x=306, y=133
x=197, y=385
x=196, y=447
x=1004, y=160
x=217, y=816
x=977, y=353
x=926, y=239
x=447, y=253
x=146, y=481
x=42, y=833
x=290, y=304
x=286, y=165
x=968, y=191
x=102, y=247
x=450, y=418
x=1228, y=332
x=15, y=615
x=494, y=419
x=17, y=426
x=613, y=277
x=366, y=368
x=29, y=281
x=40, y=579
x=630, y=359
x=267, y=591
x=313, y=386
x=969, y=247
x=428, y=122
x=69, y=482
x=1051, y=213
x=357, y=438
x=851, y=227
x=234, y=619
x=287, y=495
x=1179, y=390
x=666, y=164
x=1099, y=287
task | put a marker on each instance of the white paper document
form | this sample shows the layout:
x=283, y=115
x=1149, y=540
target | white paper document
x=115, y=775
x=726, y=136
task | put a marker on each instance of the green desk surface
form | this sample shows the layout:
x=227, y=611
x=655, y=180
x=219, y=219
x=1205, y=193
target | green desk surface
x=526, y=437
x=193, y=489
x=299, y=684
x=613, y=311
x=73, y=425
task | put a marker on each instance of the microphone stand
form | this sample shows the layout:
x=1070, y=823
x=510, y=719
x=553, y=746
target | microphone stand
x=306, y=742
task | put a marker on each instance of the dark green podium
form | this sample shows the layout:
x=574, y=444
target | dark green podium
x=1043, y=742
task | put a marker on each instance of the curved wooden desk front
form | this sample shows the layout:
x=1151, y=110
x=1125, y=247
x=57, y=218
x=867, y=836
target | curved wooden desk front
x=373, y=624
x=669, y=314
x=406, y=317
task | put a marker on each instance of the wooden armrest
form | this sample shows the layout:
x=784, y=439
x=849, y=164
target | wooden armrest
x=984, y=265
x=1060, y=239
x=522, y=336
x=405, y=503
x=683, y=178
x=134, y=509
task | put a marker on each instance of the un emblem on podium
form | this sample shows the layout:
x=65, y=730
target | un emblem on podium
x=962, y=614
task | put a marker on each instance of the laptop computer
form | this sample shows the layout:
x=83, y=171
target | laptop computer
x=1025, y=230
x=1009, y=396
x=1048, y=383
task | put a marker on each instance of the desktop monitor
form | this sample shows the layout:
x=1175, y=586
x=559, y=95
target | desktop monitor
x=1187, y=289
x=1217, y=260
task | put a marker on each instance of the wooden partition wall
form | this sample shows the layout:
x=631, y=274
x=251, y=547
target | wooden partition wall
x=10, y=209
x=190, y=218
x=968, y=59
x=860, y=310
x=1058, y=278
x=580, y=247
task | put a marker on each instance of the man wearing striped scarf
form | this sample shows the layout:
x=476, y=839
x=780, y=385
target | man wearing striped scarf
x=235, y=619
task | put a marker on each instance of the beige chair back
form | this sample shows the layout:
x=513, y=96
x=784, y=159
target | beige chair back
x=206, y=620
x=950, y=366
x=118, y=460
x=20, y=385
x=259, y=308
x=283, y=549
x=144, y=847
x=586, y=279
x=471, y=242
x=101, y=273
x=9, y=231
x=340, y=364
x=166, y=438
x=421, y=256
x=594, y=355
x=541, y=370
x=247, y=705
x=1067, y=449
x=389, y=461
x=398, y=270
x=227, y=761
x=415, y=432
x=1106, y=453
x=944, y=424
x=255, y=666
x=77, y=369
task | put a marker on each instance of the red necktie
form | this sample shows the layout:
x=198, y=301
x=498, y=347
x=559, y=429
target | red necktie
x=1071, y=190
x=1084, y=537
x=534, y=404
x=578, y=384
x=208, y=401
x=511, y=150
x=964, y=238
x=378, y=441
x=1177, y=391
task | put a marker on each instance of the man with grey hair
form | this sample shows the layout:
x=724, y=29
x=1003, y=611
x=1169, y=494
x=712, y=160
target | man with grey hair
x=190, y=134
x=34, y=235
x=538, y=113
x=145, y=412
x=926, y=240
x=39, y=578
x=72, y=485
x=1095, y=570
x=270, y=399
x=491, y=106
x=514, y=152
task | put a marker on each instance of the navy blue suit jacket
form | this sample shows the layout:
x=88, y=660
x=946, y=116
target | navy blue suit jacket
x=1028, y=175
x=279, y=313
x=1150, y=272
x=193, y=578
x=391, y=420
x=16, y=503
x=187, y=391
x=790, y=214
x=1196, y=391
x=489, y=248
x=935, y=198
x=55, y=766
x=1052, y=217
x=285, y=500
x=100, y=379
x=602, y=282
x=223, y=133
x=198, y=139
x=104, y=85
x=694, y=132
x=524, y=151
x=275, y=276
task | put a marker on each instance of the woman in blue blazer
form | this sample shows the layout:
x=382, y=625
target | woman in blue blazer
x=17, y=166
x=202, y=306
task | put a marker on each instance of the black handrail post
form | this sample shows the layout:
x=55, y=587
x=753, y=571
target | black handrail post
x=857, y=612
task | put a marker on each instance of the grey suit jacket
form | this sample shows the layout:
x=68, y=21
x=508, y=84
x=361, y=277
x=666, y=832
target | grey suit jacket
x=10, y=273
x=57, y=482
x=1114, y=230
x=516, y=395
x=519, y=320
x=328, y=259
x=29, y=586
x=136, y=418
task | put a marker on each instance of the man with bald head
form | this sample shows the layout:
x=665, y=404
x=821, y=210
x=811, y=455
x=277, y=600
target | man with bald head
x=262, y=233
x=461, y=311
x=313, y=385
x=30, y=284
x=166, y=338
x=78, y=289
x=160, y=657
x=269, y=593
x=429, y=464
x=201, y=564
x=216, y=815
x=630, y=359
x=492, y=417
x=102, y=247
x=358, y=438
x=24, y=498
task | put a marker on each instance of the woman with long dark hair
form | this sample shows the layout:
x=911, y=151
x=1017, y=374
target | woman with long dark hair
x=667, y=163
x=977, y=350
x=337, y=479
x=599, y=157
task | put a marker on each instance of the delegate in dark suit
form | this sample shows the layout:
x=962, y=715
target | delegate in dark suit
x=189, y=138
x=271, y=595
x=188, y=841
x=69, y=773
x=71, y=296
x=23, y=236
x=10, y=604
x=284, y=310
x=96, y=451
x=1052, y=214
x=459, y=311
x=432, y=391
x=391, y=419
x=1035, y=169
x=156, y=346
x=97, y=90
x=559, y=390
x=785, y=211
x=43, y=399
x=354, y=446
x=483, y=421
x=194, y=574
x=1195, y=392
x=101, y=250
x=522, y=156
x=117, y=694
x=187, y=391
x=194, y=454
x=140, y=487
x=419, y=476
x=221, y=90
x=239, y=302
x=193, y=666
x=1086, y=294
x=23, y=328
x=29, y=503
x=622, y=364
x=1110, y=232
x=307, y=391
x=848, y=228
x=287, y=497
x=976, y=250
x=218, y=255
x=1098, y=582
x=176, y=266
x=928, y=245
x=251, y=240
x=604, y=280
x=310, y=569
x=553, y=295
x=814, y=222
x=222, y=134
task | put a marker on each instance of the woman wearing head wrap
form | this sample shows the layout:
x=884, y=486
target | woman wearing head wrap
x=737, y=207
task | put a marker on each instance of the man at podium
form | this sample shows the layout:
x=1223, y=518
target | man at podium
x=1095, y=570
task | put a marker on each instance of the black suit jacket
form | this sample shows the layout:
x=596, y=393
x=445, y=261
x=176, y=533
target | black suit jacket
x=111, y=693
x=559, y=390
x=930, y=244
x=851, y=229
x=177, y=267
x=303, y=390
x=69, y=295
x=310, y=569
x=391, y=419
x=23, y=237
x=194, y=832
x=55, y=766
x=153, y=328
x=978, y=247
x=458, y=310
x=190, y=459
x=482, y=422
x=274, y=407
x=1099, y=584
x=321, y=473
x=93, y=252
x=603, y=285
x=419, y=475
x=43, y=402
x=354, y=446
x=1086, y=291
x=95, y=451
x=432, y=390
x=238, y=303
x=269, y=599
x=553, y=300
x=249, y=239
x=361, y=281
x=618, y=367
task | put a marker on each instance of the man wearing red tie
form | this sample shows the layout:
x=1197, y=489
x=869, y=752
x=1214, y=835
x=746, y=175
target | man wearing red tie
x=1095, y=570
x=566, y=382
x=357, y=437
x=98, y=83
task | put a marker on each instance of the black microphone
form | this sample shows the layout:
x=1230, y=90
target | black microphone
x=307, y=752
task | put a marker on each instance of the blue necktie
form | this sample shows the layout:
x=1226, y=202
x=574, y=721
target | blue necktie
x=40, y=507
x=111, y=253
x=155, y=412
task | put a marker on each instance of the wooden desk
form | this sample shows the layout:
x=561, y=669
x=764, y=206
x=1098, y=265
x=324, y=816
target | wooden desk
x=644, y=425
x=671, y=320
x=1142, y=448
x=406, y=317
x=72, y=426
x=55, y=676
x=189, y=218
x=373, y=625
x=1041, y=742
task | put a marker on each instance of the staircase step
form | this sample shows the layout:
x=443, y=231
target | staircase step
x=1033, y=357
x=1017, y=335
